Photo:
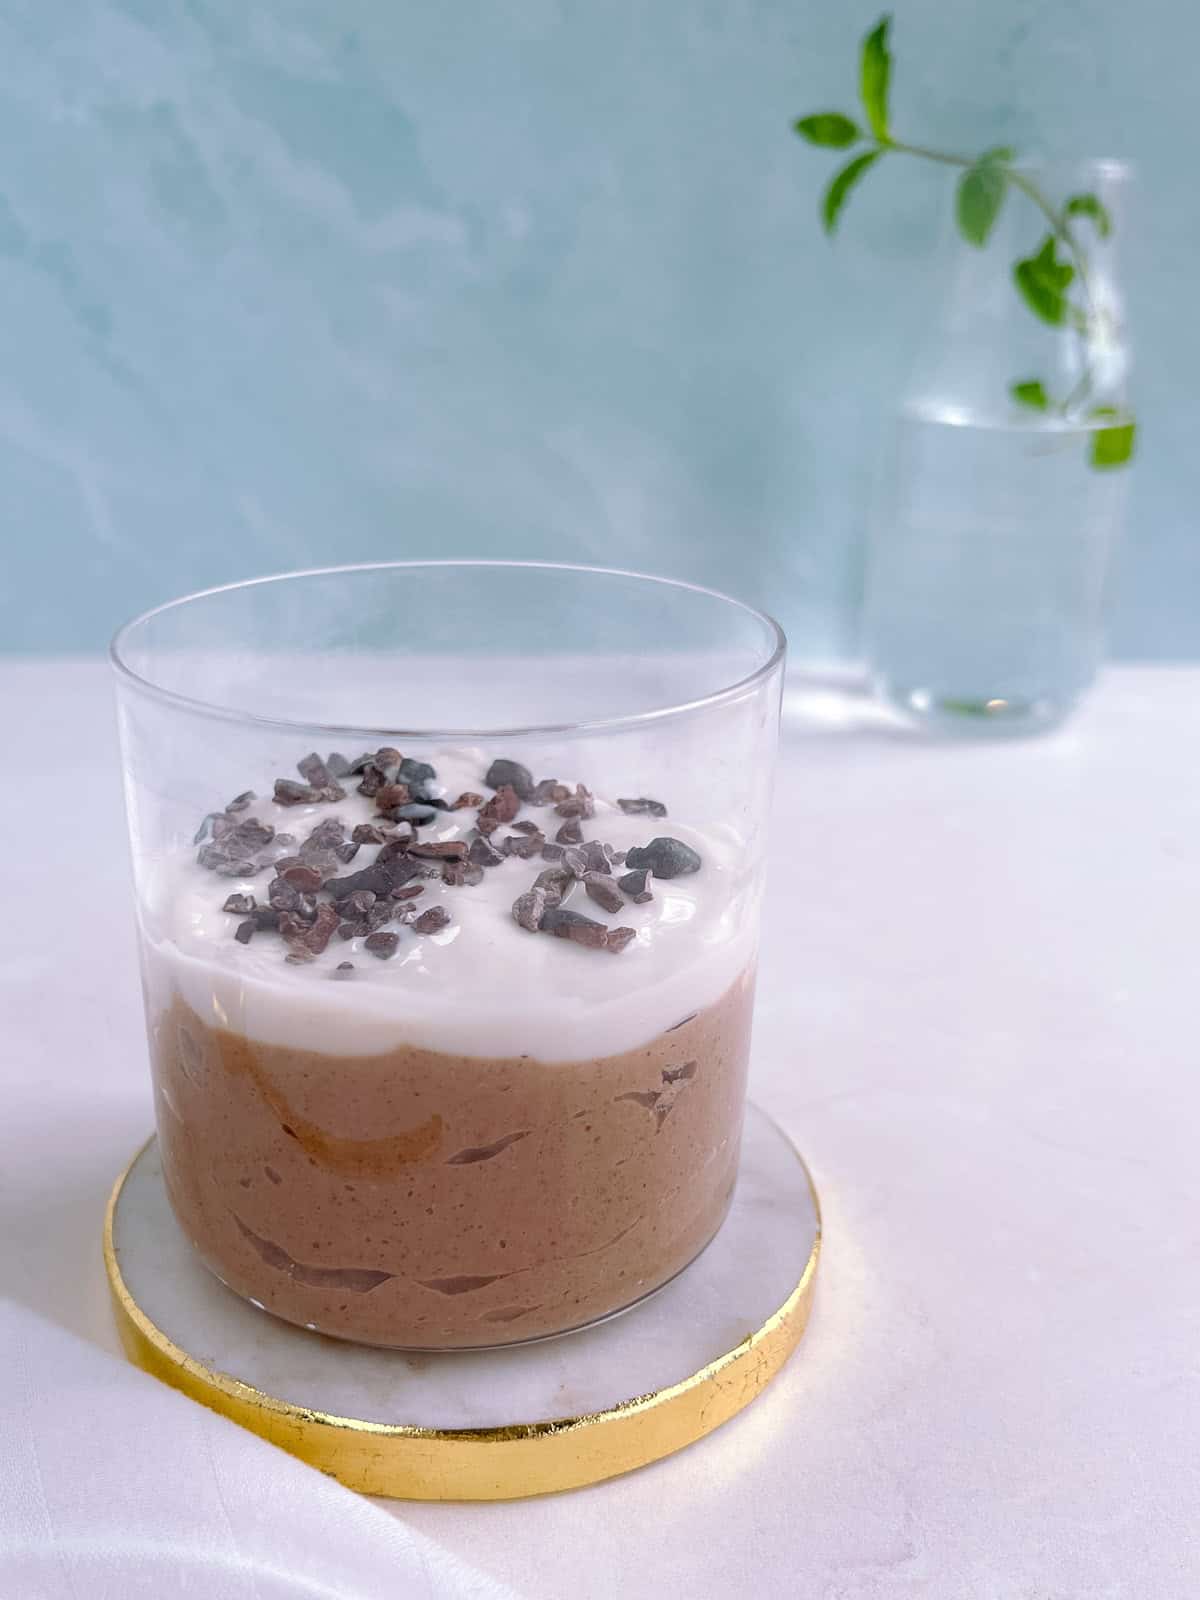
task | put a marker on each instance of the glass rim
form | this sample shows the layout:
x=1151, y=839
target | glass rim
x=1116, y=168
x=727, y=693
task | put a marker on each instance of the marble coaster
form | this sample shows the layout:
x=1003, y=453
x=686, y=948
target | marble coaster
x=494, y=1424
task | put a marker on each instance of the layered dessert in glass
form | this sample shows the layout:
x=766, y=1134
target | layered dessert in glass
x=449, y=1037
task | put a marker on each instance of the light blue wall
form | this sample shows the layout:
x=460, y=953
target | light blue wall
x=320, y=280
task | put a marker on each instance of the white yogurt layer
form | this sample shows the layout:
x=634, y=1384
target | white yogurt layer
x=482, y=986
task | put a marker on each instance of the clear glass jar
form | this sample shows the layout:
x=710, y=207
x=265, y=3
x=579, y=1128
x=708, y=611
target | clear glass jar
x=997, y=519
x=449, y=1054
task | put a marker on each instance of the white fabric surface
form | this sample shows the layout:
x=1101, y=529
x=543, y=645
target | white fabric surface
x=977, y=1019
x=114, y=1487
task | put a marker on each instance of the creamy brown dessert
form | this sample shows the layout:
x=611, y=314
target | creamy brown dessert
x=516, y=1109
x=427, y=1200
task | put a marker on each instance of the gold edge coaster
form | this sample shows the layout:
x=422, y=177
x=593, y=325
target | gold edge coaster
x=499, y=1463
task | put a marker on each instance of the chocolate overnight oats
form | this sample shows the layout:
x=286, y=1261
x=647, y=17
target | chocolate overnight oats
x=448, y=1056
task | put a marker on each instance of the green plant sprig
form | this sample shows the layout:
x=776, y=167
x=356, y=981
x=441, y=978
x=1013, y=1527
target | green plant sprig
x=1044, y=279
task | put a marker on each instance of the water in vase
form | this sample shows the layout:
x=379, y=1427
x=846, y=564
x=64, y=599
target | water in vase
x=987, y=567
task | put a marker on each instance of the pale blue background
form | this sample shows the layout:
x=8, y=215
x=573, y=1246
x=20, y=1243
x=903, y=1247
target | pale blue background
x=322, y=280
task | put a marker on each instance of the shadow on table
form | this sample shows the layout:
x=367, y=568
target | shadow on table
x=836, y=705
x=53, y=1212
x=837, y=708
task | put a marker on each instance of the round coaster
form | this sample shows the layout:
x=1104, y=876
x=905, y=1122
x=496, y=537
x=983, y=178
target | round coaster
x=495, y=1424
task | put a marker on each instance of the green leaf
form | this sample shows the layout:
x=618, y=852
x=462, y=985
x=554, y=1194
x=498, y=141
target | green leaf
x=1114, y=446
x=981, y=191
x=843, y=181
x=828, y=128
x=970, y=708
x=1000, y=152
x=875, y=76
x=1030, y=392
x=1059, y=273
x=1043, y=280
x=1041, y=298
x=1089, y=205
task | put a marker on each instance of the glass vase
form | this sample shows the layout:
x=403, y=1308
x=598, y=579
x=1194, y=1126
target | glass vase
x=1007, y=468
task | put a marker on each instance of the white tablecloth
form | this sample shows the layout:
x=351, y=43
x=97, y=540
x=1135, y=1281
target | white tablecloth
x=977, y=1018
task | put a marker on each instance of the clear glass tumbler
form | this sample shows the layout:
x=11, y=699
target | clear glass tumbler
x=448, y=882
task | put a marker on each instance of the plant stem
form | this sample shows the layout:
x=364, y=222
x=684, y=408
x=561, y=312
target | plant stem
x=1058, y=226
x=1079, y=393
x=926, y=154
